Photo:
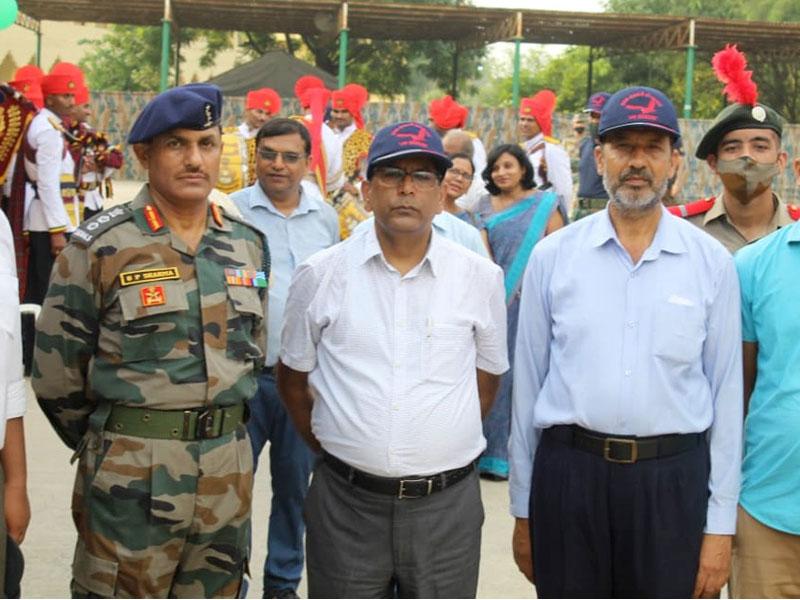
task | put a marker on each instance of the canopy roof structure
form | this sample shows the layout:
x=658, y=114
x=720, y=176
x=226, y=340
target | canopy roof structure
x=467, y=26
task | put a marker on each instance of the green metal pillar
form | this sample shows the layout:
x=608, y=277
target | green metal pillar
x=343, y=39
x=687, y=96
x=39, y=46
x=342, y=57
x=166, y=26
x=517, y=49
x=515, y=80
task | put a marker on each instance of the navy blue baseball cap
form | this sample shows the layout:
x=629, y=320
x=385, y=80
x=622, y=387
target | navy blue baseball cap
x=639, y=107
x=195, y=106
x=403, y=140
x=596, y=102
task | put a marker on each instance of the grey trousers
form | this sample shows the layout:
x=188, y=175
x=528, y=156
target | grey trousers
x=365, y=545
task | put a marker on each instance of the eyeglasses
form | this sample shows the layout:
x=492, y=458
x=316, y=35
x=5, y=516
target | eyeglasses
x=394, y=177
x=290, y=158
x=460, y=174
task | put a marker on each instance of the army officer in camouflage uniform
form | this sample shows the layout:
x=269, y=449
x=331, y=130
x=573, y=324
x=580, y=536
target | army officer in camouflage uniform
x=146, y=349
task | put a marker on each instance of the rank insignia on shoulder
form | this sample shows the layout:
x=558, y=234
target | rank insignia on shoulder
x=691, y=209
x=88, y=231
x=246, y=278
x=148, y=276
x=153, y=295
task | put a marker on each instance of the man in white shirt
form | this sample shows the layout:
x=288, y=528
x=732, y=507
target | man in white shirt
x=551, y=166
x=49, y=167
x=391, y=351
x=13, y=487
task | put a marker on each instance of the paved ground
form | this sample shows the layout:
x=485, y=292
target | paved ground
x=50, y=540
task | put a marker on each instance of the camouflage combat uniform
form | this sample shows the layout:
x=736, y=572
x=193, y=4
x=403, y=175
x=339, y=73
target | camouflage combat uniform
x=132, y=318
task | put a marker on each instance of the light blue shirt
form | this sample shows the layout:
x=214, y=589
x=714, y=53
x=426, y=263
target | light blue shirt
x=646, y=349
x=450, y=227
x=313, y=226
x=768, y=270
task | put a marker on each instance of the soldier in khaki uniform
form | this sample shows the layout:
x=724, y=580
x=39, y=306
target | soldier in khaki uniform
x=743, y=148
x=146, y=350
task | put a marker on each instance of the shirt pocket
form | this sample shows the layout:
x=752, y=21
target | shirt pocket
x=448, y=353
x=155, y=321
x=680, y=333
x=246, y=316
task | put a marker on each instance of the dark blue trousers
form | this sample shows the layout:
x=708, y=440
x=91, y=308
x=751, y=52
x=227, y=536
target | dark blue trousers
x=290, y=462
x=609, y=530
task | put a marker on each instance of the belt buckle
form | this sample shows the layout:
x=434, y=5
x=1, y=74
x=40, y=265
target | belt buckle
x=205, y=424
x=402, y=493
x=607, y=450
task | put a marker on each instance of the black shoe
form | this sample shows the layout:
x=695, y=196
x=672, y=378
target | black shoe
x=280, y=593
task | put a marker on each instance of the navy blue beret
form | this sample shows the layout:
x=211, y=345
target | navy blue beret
x=195, y=106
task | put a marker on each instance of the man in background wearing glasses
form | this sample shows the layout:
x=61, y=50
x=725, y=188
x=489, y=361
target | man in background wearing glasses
x=297, y=223
x=391, y=351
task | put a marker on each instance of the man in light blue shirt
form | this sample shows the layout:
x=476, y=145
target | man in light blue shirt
x=766, y=550
x=627, y=414
x=297, y=223
x=449, y=226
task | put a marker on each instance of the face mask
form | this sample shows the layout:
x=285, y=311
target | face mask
x=745, y=178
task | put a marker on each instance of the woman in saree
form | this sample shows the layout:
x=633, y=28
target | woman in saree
x=513, y=217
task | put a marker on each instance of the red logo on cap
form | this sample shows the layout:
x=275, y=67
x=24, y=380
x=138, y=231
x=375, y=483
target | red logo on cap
x=642, y=105
x=411, y=134
x=598, y=101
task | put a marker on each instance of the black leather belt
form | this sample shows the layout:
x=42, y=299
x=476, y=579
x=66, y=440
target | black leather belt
x=403, y=488
x=625, y=449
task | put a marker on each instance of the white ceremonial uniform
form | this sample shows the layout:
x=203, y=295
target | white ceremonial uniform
x=559, y=171
x=44, y=208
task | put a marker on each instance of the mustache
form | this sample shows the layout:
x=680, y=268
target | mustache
x=640, y=173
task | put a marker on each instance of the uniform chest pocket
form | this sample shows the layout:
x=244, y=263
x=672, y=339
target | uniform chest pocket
x=245, y=320
x=156, y=323
x=680, y=333
x=448, y=351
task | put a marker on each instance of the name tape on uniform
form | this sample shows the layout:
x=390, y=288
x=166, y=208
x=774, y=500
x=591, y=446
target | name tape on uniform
x=148, y=276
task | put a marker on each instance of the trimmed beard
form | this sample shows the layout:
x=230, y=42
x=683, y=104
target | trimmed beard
x=627, y=204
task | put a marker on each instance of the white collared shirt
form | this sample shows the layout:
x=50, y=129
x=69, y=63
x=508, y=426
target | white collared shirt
x=12, y=383
x=392, y=358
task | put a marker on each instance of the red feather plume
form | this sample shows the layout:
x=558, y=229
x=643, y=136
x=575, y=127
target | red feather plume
x=730, y=67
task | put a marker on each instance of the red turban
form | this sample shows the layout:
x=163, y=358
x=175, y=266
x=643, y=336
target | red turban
x=59, y=84
x=67, y=68
x=540, y=106
x=31, y=89
x=31, y=72
x=446, y=113
x=352, y=98
x=266, y=99
x=303, y=86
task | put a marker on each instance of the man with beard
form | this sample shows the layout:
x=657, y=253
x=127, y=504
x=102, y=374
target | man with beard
x=743, y=148
x=626, y=428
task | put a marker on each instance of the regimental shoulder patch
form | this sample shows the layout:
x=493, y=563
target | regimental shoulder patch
x=92, y=228
x=691, y=209
x=127, y=278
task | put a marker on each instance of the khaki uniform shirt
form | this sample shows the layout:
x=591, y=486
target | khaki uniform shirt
x=715, y=222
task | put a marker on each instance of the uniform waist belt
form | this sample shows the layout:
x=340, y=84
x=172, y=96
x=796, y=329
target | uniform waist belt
x=624, y=449
x=592, y=203
x=186, y=425
x=404, y=488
